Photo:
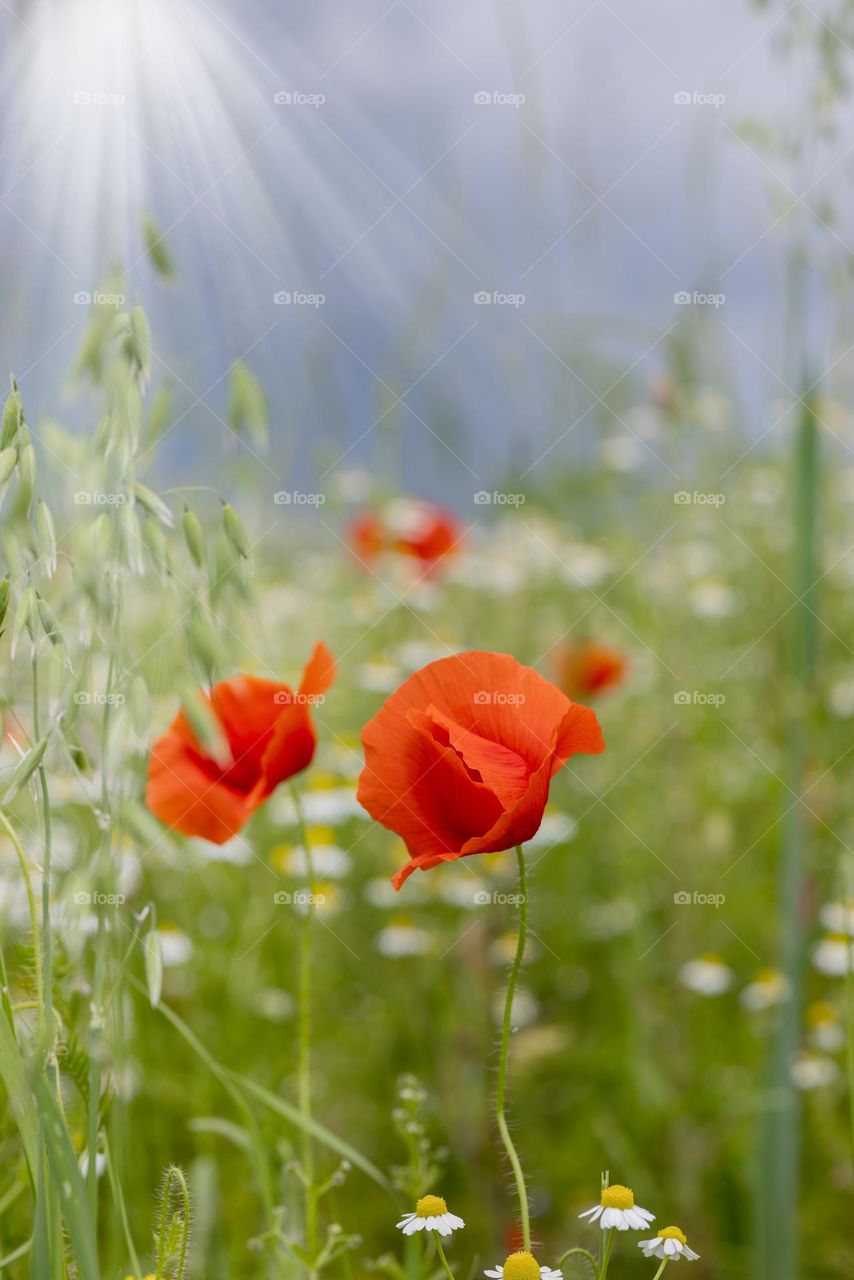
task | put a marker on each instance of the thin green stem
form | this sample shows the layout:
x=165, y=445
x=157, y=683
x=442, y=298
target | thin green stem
x=606, y=1254
x=577, y=1253
x=448, y=1272
x=501, y=1088
x=660, y=1270
x=304, y=1038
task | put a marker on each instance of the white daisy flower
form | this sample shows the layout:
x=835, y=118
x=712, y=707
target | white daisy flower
x=813, y=1071
x=707, y=976
x=670, y=1244
x=824, y=1029
x=767, y=989
x=522, y=1266
x=431, y=1214
x=617, y=1208
x=834, y=955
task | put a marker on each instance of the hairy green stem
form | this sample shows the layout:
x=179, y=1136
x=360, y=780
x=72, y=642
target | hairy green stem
x=577, y=1253
x=501, y=1088
x=304, y=1038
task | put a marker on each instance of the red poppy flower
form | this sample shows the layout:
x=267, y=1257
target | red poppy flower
x=459, y=759
x=270, y=737
x=588, y=668
x=409, y=526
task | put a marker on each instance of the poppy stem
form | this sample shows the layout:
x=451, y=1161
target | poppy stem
x=501, y=1089
x=304, y=1039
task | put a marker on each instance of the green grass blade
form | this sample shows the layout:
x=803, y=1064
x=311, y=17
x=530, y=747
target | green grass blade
x=68, y=1181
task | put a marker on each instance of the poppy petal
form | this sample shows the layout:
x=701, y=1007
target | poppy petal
x=183, y=795
x=319, y=672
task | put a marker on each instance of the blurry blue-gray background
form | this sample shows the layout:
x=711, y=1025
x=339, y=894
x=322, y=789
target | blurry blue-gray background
x=579, y=164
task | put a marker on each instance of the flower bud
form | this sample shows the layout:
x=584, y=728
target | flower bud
x=154, y=505
x=235, y=531
x=8, y=458
x=194, y=537
x=46, y=537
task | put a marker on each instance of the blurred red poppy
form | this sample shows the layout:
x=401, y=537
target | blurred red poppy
x=459, y=759
x=270, y=737
x=586, y=668
x=410, y=526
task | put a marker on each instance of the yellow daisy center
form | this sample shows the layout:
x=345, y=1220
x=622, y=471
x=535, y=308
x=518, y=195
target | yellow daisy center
x=617, y=1197
x=430, y=1207
x=521, y=1266
x=673, y=1233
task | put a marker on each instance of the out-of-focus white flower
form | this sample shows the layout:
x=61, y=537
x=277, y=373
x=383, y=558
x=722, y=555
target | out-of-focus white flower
x=525, y=1008
x=403, y=939
x=606, y=920
x=176, y=947
x=707, y=976
x=712, y=600
x=824, y=1027
x=622, y=453
x=584, y=565
x=328, y=859
x=814, y=1071
x=840, y=698
x=838, y=917
x=272, y=1003
x=834, y=955
x=767, y=989
x=378, y=677
x=555, y=828
x=321, y=806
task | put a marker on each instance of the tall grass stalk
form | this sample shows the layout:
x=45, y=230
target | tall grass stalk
x=778, y=1174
